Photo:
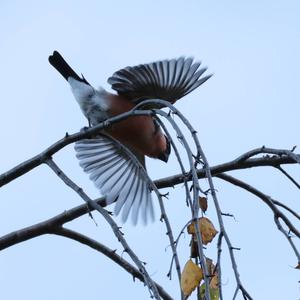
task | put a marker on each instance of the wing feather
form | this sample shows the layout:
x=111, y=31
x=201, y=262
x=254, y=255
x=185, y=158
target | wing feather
x=118, y=175
x=168, y=80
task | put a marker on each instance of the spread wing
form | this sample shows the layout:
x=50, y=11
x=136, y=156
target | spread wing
x=119, y=177
x=169, y=80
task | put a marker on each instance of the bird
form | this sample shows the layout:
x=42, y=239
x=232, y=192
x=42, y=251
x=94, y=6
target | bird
x=115, y=158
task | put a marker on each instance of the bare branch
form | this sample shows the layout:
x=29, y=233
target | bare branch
x=236, y=164
x=41, y=158
x=109, y=220
x=266, y=161
x=188, y=196
x=76, y=212
x=277, y=152
x=111, y=254
x=270, y=202
x=266, y=199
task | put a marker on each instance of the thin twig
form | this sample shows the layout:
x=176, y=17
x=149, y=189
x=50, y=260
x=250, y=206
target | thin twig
x=270, y=202
x=176, y=244
x=266, y=199
x=187, y=192
x=183, y=171
x=278, y=203
x=288, y=237
x=111, y=254
x=288, y=176
x=110, y=221
x=196, y=189
x=219, y=269
x=164, y=215
x=214, y=196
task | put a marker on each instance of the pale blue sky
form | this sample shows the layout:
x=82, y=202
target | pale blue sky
x=252, y=100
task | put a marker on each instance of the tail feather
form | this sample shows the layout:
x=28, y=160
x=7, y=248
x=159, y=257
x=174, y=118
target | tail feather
x=58, y=62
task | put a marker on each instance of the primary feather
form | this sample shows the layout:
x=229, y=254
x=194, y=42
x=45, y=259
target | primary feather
x=169, y=80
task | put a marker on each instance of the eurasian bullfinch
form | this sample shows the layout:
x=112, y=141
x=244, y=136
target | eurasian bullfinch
x=120, y=178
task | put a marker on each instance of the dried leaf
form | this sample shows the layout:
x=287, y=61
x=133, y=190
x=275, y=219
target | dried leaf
x=210, y=265
x=214, y=293
x=214, y=281
x=298, y=266
x=191, y=228
x=212, y=271
x=194, y=248
x=203, y=203
x=190, y=277
x=207, y=230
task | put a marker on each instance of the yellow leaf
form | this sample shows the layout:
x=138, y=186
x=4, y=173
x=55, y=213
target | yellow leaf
x=206, y=228
x=190, y=277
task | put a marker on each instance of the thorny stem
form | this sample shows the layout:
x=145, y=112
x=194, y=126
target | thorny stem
x=196, y=187
x=176, y=244
x=214, y=196
x=188, y=196
x=195, y=210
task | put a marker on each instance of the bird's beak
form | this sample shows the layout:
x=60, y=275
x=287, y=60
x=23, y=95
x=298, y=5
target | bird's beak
x=165, y=155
